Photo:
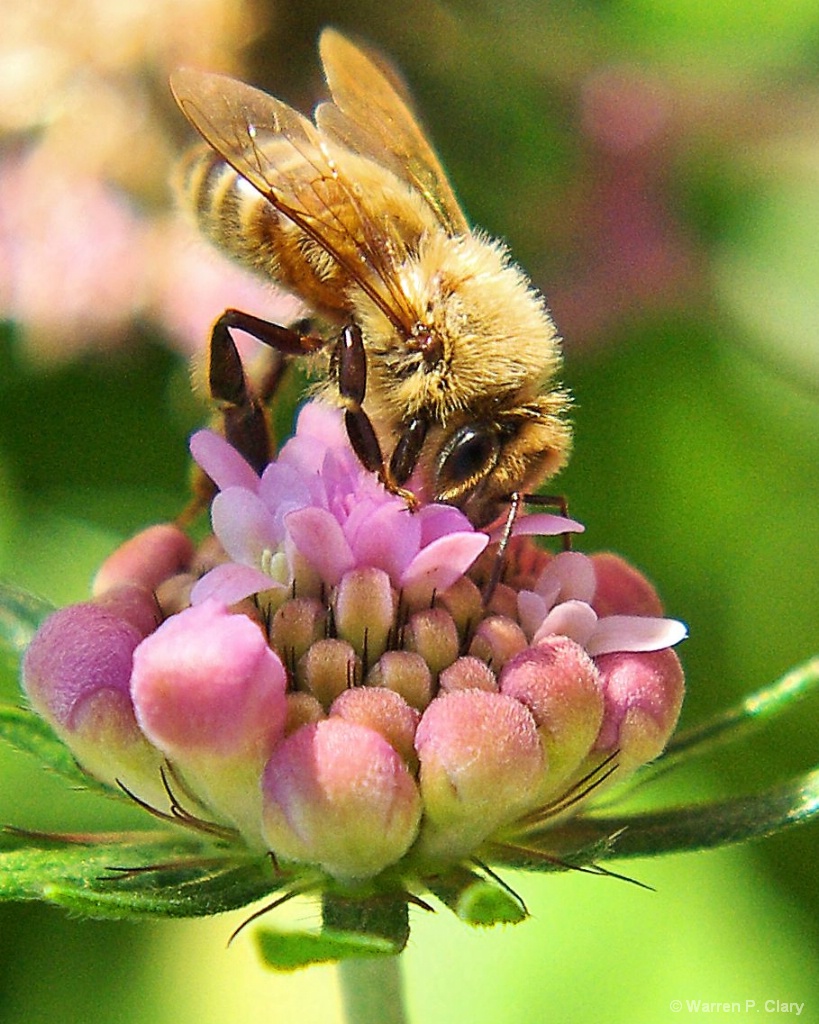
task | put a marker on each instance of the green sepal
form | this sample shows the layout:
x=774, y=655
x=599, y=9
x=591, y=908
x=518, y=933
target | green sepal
x=26, y=731
x=21, y=615
x=132, y=874
x=288, y=951
x=591, y=838
x=478, y=900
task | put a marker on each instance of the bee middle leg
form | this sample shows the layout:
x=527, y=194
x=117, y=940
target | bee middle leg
x=516, y=499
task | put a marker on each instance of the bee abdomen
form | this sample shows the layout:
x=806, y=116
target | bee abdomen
x=239, y=220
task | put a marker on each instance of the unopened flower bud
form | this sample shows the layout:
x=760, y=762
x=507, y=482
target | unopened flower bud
x=496, y=640
x=210, y=694
x=559, y=683
x=405, y=673
x=386, y=713
x=77, y=673
x=338, y=795
x=621, y=589
x=432, y=634
x=643, y=694
x=482, y=764
x=365, y=611
x=327, y=669
x=148, y=558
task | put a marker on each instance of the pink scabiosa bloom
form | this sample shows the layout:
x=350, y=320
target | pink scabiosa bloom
x=354, y=687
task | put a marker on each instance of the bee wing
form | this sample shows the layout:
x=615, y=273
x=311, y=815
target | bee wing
x=371, y=114
x=286, y=159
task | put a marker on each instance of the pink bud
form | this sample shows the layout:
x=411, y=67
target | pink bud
x=148, y=558
x=327, y=668
x=468, y=673
x=481, y=767
x=365, y=610
x=336, y=794
x=432, y=634
x=383, y=711
x=496, y=640
x=406, y=673
x=210, y=694
x=643, y=693
x=559, y=683
x=76, y=673
x=621, y=589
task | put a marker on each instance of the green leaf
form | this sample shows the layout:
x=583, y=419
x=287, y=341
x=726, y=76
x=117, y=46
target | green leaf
x=21, y=615
x=685, y=828
x=752, y=712
x=288, y=951
x=131, y=874
x=26, y=731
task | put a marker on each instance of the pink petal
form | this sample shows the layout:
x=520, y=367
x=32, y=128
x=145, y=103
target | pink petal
x=387, y=538
x=230, y=583
x=223, y=464
x=574, y=619
x=321, y=541
x=532, y=610
x=438, y=520
x=541, y=524
x=440, y=563
x=575, y=575
x=283, y=488
x=244, y=525
x=634, y=633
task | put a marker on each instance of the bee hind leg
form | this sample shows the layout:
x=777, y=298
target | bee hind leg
x=243, y=410
x=242, y=405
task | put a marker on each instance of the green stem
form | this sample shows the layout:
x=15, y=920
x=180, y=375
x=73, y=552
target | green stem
x=372, y=990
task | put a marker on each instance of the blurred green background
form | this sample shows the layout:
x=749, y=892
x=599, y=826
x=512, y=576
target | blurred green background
x=655, y=165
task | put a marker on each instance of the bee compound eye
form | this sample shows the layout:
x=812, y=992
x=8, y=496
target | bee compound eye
x=469, y=454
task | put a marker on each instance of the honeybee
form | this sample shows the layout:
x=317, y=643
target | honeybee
x=435, y=343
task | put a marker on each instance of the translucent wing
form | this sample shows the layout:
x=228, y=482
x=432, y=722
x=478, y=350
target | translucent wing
x=284, y=156
x=371, y=114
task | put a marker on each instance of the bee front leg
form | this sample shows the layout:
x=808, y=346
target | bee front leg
x=350, y=358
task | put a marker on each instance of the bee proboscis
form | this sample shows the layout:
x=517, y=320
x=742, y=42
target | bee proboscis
x=434, y=342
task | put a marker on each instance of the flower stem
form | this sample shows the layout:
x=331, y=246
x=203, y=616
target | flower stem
x=372, y=991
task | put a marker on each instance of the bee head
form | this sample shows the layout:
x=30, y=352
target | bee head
x=480, y=462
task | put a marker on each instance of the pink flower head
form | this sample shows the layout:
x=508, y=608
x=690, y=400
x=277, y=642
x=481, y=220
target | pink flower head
x=355, y=686
x=315, y=512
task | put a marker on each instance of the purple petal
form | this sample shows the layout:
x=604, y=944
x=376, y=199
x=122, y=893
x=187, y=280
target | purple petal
x=229, y=583
x=532, y=610
x=244, y=525
x=443, y=561
x=574, y=619
x=223, y=464
x=540, y=524
x=438, y=520
x=634, y=633
x=387, y=538
x=320, y=539
x=284, y=488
